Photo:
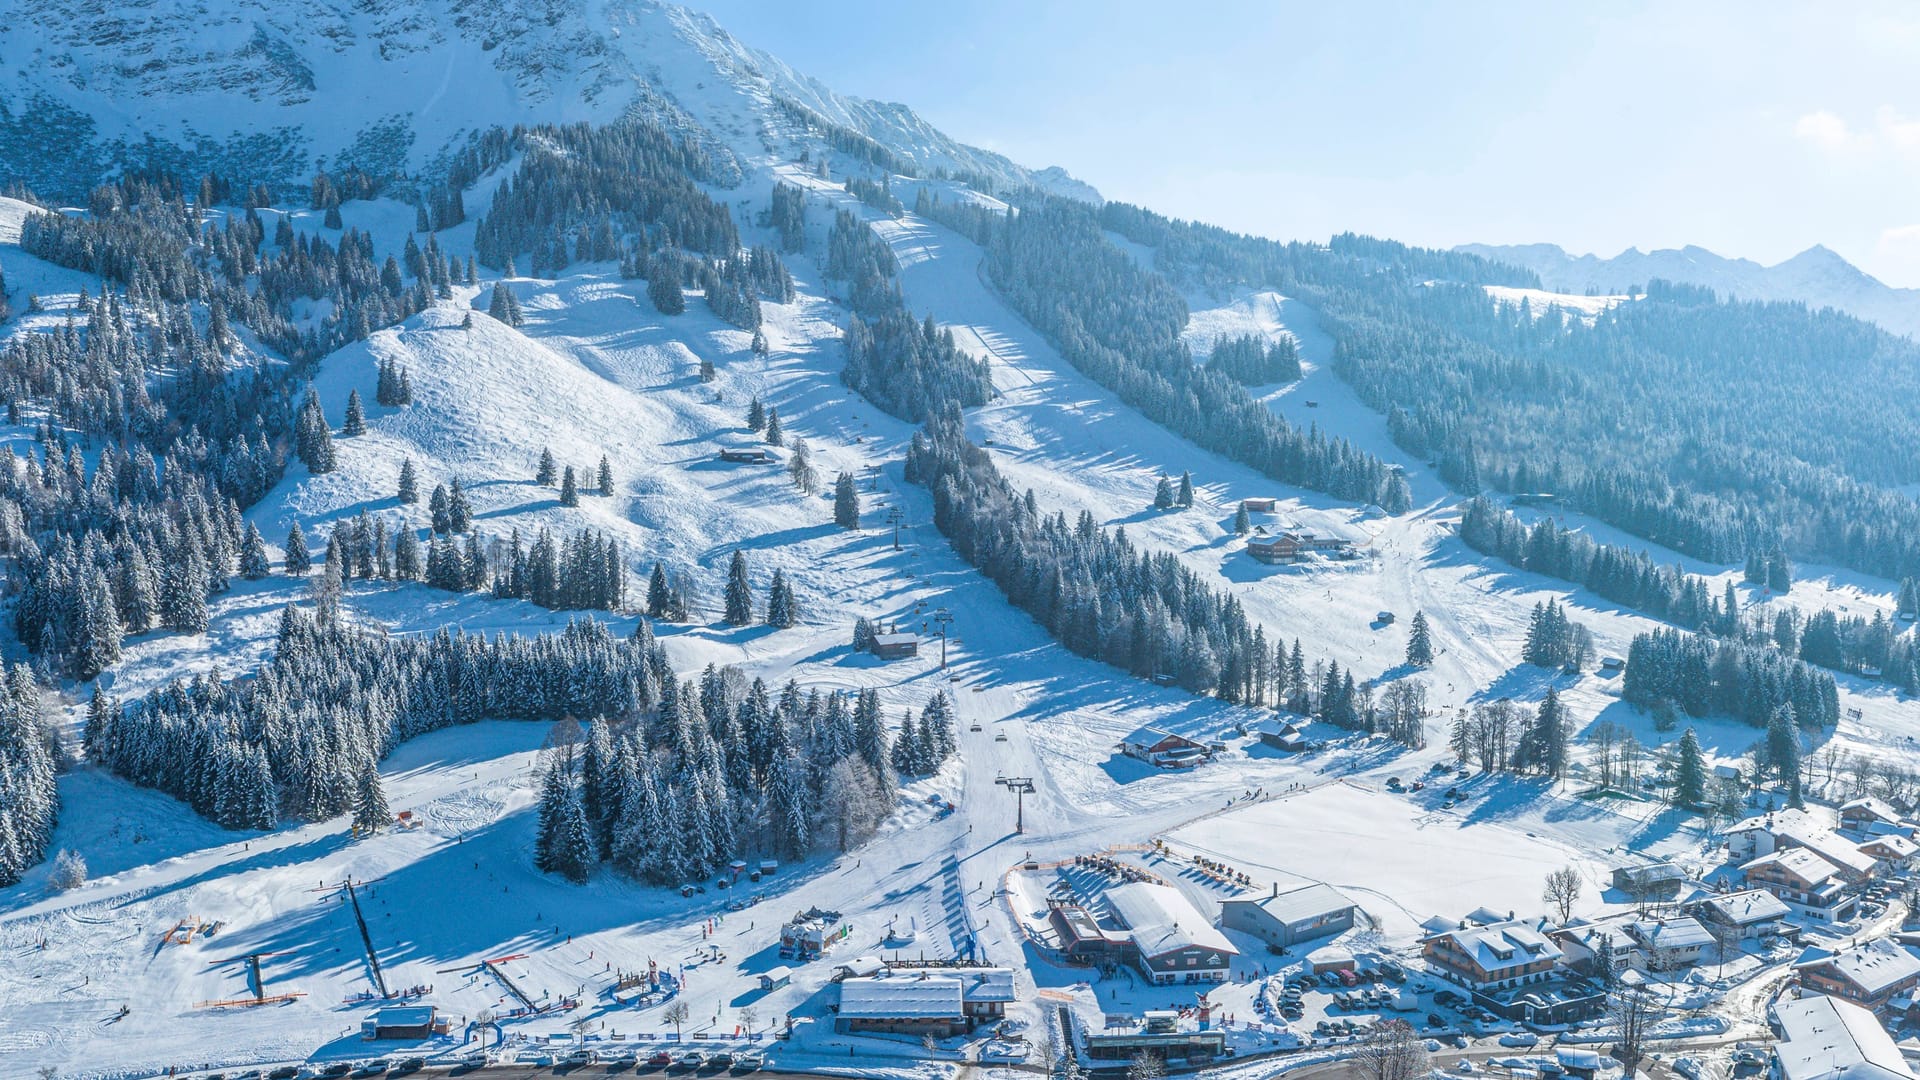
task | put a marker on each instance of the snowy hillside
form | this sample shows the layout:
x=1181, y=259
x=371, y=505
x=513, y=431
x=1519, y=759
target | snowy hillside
x=1816, y=276
x=260, y=91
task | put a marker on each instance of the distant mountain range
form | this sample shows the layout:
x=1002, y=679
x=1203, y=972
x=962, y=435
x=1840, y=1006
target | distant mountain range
x=1816, y=276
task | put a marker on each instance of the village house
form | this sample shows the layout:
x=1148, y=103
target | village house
x=1669, y=944
x=1892, y=853
x=812, y=932
x=1650, y=881
x=1754, y=913
x=1583, y=945
x=1870, y=816
x=1160, y=747
x=1259, y=505
x=1287, y=918
x=1764, y=835
x=1824, y=1038
x=1171, y=941
x=745, y=455
x=1805, y=881
x=1869, y=975
x=1492, y=956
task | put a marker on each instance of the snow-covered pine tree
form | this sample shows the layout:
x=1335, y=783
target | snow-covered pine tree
x=1184, y=497
x=756, y=416
x=459, y=510
x=569, y=490
x=739, y=594
x=774, y=434
x=355, y=422
x=780, y=611
x=298, y=560
x=546, y=472
x=253, y=554
x=409, y=488
x=370, y=811
x=846, y=502
x=1419, y=641
x=605, y=478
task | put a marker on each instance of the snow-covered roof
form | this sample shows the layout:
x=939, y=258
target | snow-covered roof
x=1498, y=946
x=1680, y=933
x=1798, y=827
x=986, y=984
x=778, y=973
x=1298, y=905
x=1895, y=846
x=1748, y=907
x=1804, y=863
x=895, y=639
x=1870, y=807
x=1828, y=1039
x=1160, y=920
x=886, y=997
x=861, y=966
x=1873, y=967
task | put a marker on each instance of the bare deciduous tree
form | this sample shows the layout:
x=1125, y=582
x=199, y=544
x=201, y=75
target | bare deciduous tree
x=1563, y=891
x=676, y=1013
x=1393, y=1052
x=1633, y=1013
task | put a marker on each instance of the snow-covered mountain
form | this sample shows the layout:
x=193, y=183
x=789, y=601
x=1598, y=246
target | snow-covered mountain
x=1817, y=276
x=260, y=90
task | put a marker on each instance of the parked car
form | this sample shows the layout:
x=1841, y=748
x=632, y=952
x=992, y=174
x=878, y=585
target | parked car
x=721, y=1060
x=660, y=1059
x=409, y=1065
x=581, y=1056
x=751, y=1061
x=338, y=1068
x=692, y=1059
x=284, y=1072
x=376, y=1067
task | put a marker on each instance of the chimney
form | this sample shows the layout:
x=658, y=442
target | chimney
x=1275, y=892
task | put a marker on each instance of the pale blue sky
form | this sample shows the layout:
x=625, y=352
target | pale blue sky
x=1755, y=129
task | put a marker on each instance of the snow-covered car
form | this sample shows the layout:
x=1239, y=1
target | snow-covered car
x=751, y=1061
x=1522, y=1039
x=692, y=1059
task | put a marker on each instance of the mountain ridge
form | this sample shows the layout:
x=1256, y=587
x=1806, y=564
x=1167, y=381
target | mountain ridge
x=1818, y=276
x=261, y=93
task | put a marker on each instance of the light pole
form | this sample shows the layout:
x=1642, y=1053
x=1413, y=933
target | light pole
x=943, y=617
x=894, y=514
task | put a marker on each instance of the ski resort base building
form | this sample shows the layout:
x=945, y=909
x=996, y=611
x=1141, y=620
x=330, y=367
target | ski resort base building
x=940, y=1002
x=1154, y=928
x=1287, y=918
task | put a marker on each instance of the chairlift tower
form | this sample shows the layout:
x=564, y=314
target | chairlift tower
x=1021, y=786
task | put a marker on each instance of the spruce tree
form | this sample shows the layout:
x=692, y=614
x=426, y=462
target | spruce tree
x=756, y=416
x=253, y=554
x=663, y=284
x=298, y=560
x=1689, y=772
x=356, y=419
x=1163, y=494
x=773, y=434
x=406, y=555
x=1184, y=498
x=1419, y=642
x=1242, y=521
x=440, y=510
x=780, y=614
x=569, y=492
x=659, y=594
x=370, y=812
x=739, y=592
x=605, y=478
x=409, y=489
x=546, y=472
x=846, y=502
